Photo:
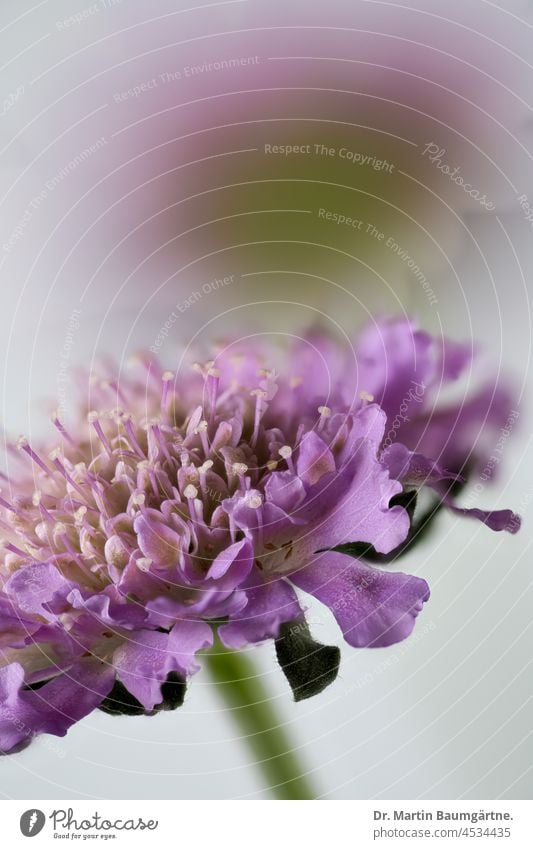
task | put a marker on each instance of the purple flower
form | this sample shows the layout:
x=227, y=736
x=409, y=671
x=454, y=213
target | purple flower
x=438, y=432
x=184, y=507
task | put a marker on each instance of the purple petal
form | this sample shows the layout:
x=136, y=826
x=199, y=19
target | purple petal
x=373, y=607
x=36, y=587
x=285, y=490
x=314, y=458
x=412, y=468
x=53, y=708
x=496, y=520
x=156, y=540
x=368, y=423
x=361, y=512
x=144, y=663
x=108, y=608
x=14, y=628
x=269, y=606
x=397, y=362
x=232, y=565
x=164, y=612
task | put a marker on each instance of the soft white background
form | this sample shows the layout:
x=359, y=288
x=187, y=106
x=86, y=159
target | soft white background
x=448, y=713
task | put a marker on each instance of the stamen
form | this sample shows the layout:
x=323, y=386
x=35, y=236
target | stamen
x=143, y=563
x=94, y=419
x=127, y=422
x=240, y=470
x=13, y=549
x=190, y=492
x=138, y=500
x=54, y=457
x=255, y=502
x=196, y=512
x=202, y=430
x=61, y=428
x=112, y=384
x=203, y=368
x=366, y=396
x=24, y=445
x=212, y=384
x=37, y=502
x=7, y=506
x=167, y=378
x=155, y=425
x=232, y=529
x=286, y=453
x=325, y=413
x=79, y=516
x=203, y=470
x=260, y=395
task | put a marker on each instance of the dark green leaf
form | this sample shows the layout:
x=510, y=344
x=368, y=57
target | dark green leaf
x=309, y=666
x=173, y=692
x=120, y=702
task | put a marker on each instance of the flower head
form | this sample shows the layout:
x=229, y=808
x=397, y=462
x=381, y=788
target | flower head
x=183, y=506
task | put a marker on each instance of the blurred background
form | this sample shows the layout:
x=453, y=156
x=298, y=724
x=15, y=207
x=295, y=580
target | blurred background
x=176, y=172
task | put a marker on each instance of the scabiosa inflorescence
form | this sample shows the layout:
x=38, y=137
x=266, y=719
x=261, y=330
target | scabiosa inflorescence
x=186, y=506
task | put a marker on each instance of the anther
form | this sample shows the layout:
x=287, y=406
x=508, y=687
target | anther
x=285, y=452
x=190, y=491
x=325, y=413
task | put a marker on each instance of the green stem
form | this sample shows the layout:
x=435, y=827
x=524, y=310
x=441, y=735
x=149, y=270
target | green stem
x=243, y=693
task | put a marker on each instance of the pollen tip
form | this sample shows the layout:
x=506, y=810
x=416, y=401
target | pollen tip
x=366, y=396
x=325, y=411
x=167, y=375
x=239, y=468
x=254, y=501
x=285, y=451
x=79, y=514
x=190, y=491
